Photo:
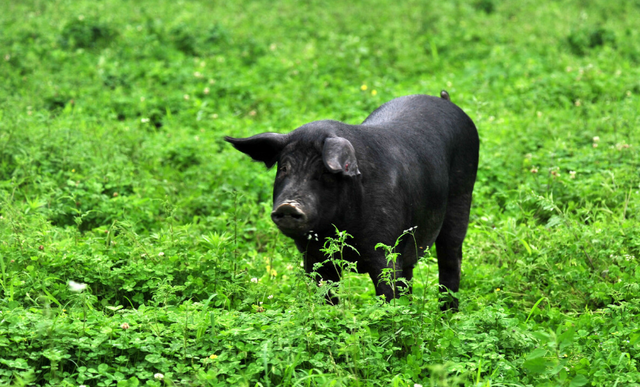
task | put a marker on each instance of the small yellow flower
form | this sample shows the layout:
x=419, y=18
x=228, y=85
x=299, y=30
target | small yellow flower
x=497, y=289
x=213, y=357
x=374, y=92
x=363, y=87
x=73, y=170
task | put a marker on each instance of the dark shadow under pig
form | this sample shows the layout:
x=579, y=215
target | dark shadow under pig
x=411, y=163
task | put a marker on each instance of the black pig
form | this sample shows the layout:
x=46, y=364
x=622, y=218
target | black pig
x=412, y=162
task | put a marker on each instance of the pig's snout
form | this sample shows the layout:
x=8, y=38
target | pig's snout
x=289, y=217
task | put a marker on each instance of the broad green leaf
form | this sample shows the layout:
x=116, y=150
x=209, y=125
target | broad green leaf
x=535, y=361
x=578, y=381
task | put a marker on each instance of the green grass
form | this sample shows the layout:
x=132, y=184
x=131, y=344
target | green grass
x=114, y=174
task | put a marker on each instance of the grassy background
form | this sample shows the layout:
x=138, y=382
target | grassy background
x=113, y=173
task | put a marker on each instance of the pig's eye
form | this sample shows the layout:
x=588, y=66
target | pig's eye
x=284, y=168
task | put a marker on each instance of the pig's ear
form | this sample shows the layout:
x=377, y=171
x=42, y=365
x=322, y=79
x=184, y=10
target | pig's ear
x=339, y=156
x=264, y=147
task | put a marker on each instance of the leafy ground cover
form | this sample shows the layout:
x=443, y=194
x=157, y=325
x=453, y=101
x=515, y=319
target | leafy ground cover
x=114, y=175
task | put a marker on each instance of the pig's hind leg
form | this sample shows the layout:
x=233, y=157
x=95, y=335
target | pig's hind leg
x=449, y=247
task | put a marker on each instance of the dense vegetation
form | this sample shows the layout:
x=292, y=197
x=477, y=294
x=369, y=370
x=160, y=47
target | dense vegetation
x=113, y=174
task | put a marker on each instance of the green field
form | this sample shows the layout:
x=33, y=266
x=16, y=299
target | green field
x=114, y=174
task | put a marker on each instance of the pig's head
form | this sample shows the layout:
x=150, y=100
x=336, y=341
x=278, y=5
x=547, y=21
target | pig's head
x=315, y=174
